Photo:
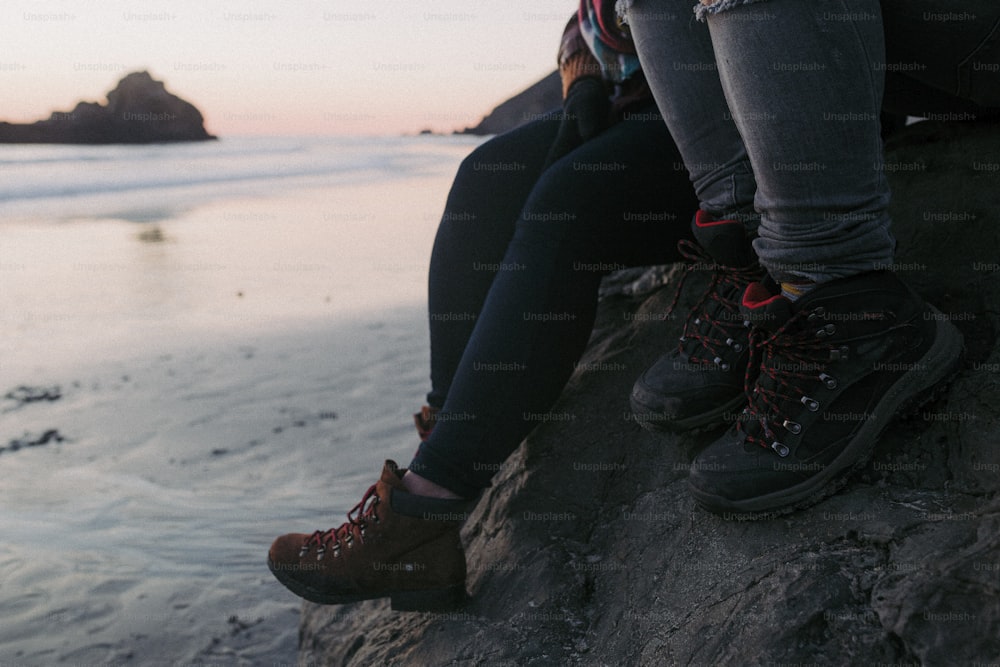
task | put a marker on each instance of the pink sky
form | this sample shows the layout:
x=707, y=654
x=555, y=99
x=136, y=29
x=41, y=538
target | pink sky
x=309, y=67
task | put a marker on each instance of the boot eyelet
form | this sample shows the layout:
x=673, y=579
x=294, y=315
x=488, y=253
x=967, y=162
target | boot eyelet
x=697, y=320
x=816, y=314
x=303, y=551
x=779, y=448
x=839, y=353
x=829, y=381
x=792, y=427
x=738, y=347
x=320, y=552
x=724, y=367
x=811, y=403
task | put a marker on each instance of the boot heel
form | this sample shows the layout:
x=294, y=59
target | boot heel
x=439, y=599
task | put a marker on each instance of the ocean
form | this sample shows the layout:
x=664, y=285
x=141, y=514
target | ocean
x=202, y=346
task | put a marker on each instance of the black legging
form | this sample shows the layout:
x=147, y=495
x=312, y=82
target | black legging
x=515, y=271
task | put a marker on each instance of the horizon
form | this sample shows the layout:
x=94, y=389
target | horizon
x=317, y=68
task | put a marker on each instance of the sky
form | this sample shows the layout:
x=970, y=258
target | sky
x=294, y=67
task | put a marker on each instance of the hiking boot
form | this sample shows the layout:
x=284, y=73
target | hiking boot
x=827, y=374
x=701, y=380
x=394, y=544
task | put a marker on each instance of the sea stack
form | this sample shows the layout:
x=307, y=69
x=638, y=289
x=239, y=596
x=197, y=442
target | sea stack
x=139, y=111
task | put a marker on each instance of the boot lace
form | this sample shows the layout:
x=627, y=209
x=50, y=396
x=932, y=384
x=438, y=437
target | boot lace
x=345, y=535
x=713, y=329
x=783, y=365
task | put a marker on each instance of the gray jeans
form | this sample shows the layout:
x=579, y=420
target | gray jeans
x=775, y=107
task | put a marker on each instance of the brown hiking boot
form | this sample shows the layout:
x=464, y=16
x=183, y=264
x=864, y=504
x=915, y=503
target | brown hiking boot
x=394, y=544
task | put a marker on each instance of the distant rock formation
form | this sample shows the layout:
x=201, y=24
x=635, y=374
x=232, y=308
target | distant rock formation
x=536, y=100
x=139, y=111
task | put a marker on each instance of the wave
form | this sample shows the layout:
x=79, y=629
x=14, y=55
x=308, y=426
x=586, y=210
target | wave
x=47, y=180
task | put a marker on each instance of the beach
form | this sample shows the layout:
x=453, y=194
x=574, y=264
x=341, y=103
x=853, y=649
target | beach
x=201, y=349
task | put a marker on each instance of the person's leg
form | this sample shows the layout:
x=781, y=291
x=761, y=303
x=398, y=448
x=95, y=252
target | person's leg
x=738, y=89
x=617, y=201
x=833, y=363
x=481, y=212
x=679, y=63
x=415, y=554
x=695, y=384
x=823, y=196
x=808, y=111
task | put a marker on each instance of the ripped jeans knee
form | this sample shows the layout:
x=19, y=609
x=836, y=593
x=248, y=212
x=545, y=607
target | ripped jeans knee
x=707, y=7
x=701, y=10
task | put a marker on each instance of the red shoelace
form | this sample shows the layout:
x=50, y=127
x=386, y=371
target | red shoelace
x=347, y=532
x=783, y=364
x=725, y=280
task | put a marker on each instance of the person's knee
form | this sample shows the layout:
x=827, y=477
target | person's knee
x=707, y=7
x=484, y=160
x=490, y=178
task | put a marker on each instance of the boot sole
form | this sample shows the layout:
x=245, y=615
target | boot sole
x=706, y=420
x=943, y=361
x=441, y=599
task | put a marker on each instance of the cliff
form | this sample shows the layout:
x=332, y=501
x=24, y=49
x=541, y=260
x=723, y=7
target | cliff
x=139, y=111
x=588, y=549
x=534, y=101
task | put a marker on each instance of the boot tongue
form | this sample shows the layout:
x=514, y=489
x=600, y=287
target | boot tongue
x=392, y=475
x=765, y=307
x=724, y=240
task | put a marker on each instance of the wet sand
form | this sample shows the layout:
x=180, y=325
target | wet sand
x=175, y=393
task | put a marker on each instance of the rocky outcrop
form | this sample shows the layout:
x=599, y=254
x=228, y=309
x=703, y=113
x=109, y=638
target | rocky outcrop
x=588, y=549
x=139, y=111
x=531, y=103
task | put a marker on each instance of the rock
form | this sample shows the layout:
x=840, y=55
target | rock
x=533, y=102
x=139, y=111
x=589, y=550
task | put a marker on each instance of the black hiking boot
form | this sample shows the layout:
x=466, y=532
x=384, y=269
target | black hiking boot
x=701, y=380
x=828, y=373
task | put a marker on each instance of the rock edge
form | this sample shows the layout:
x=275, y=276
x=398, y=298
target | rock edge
x=588, y=550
